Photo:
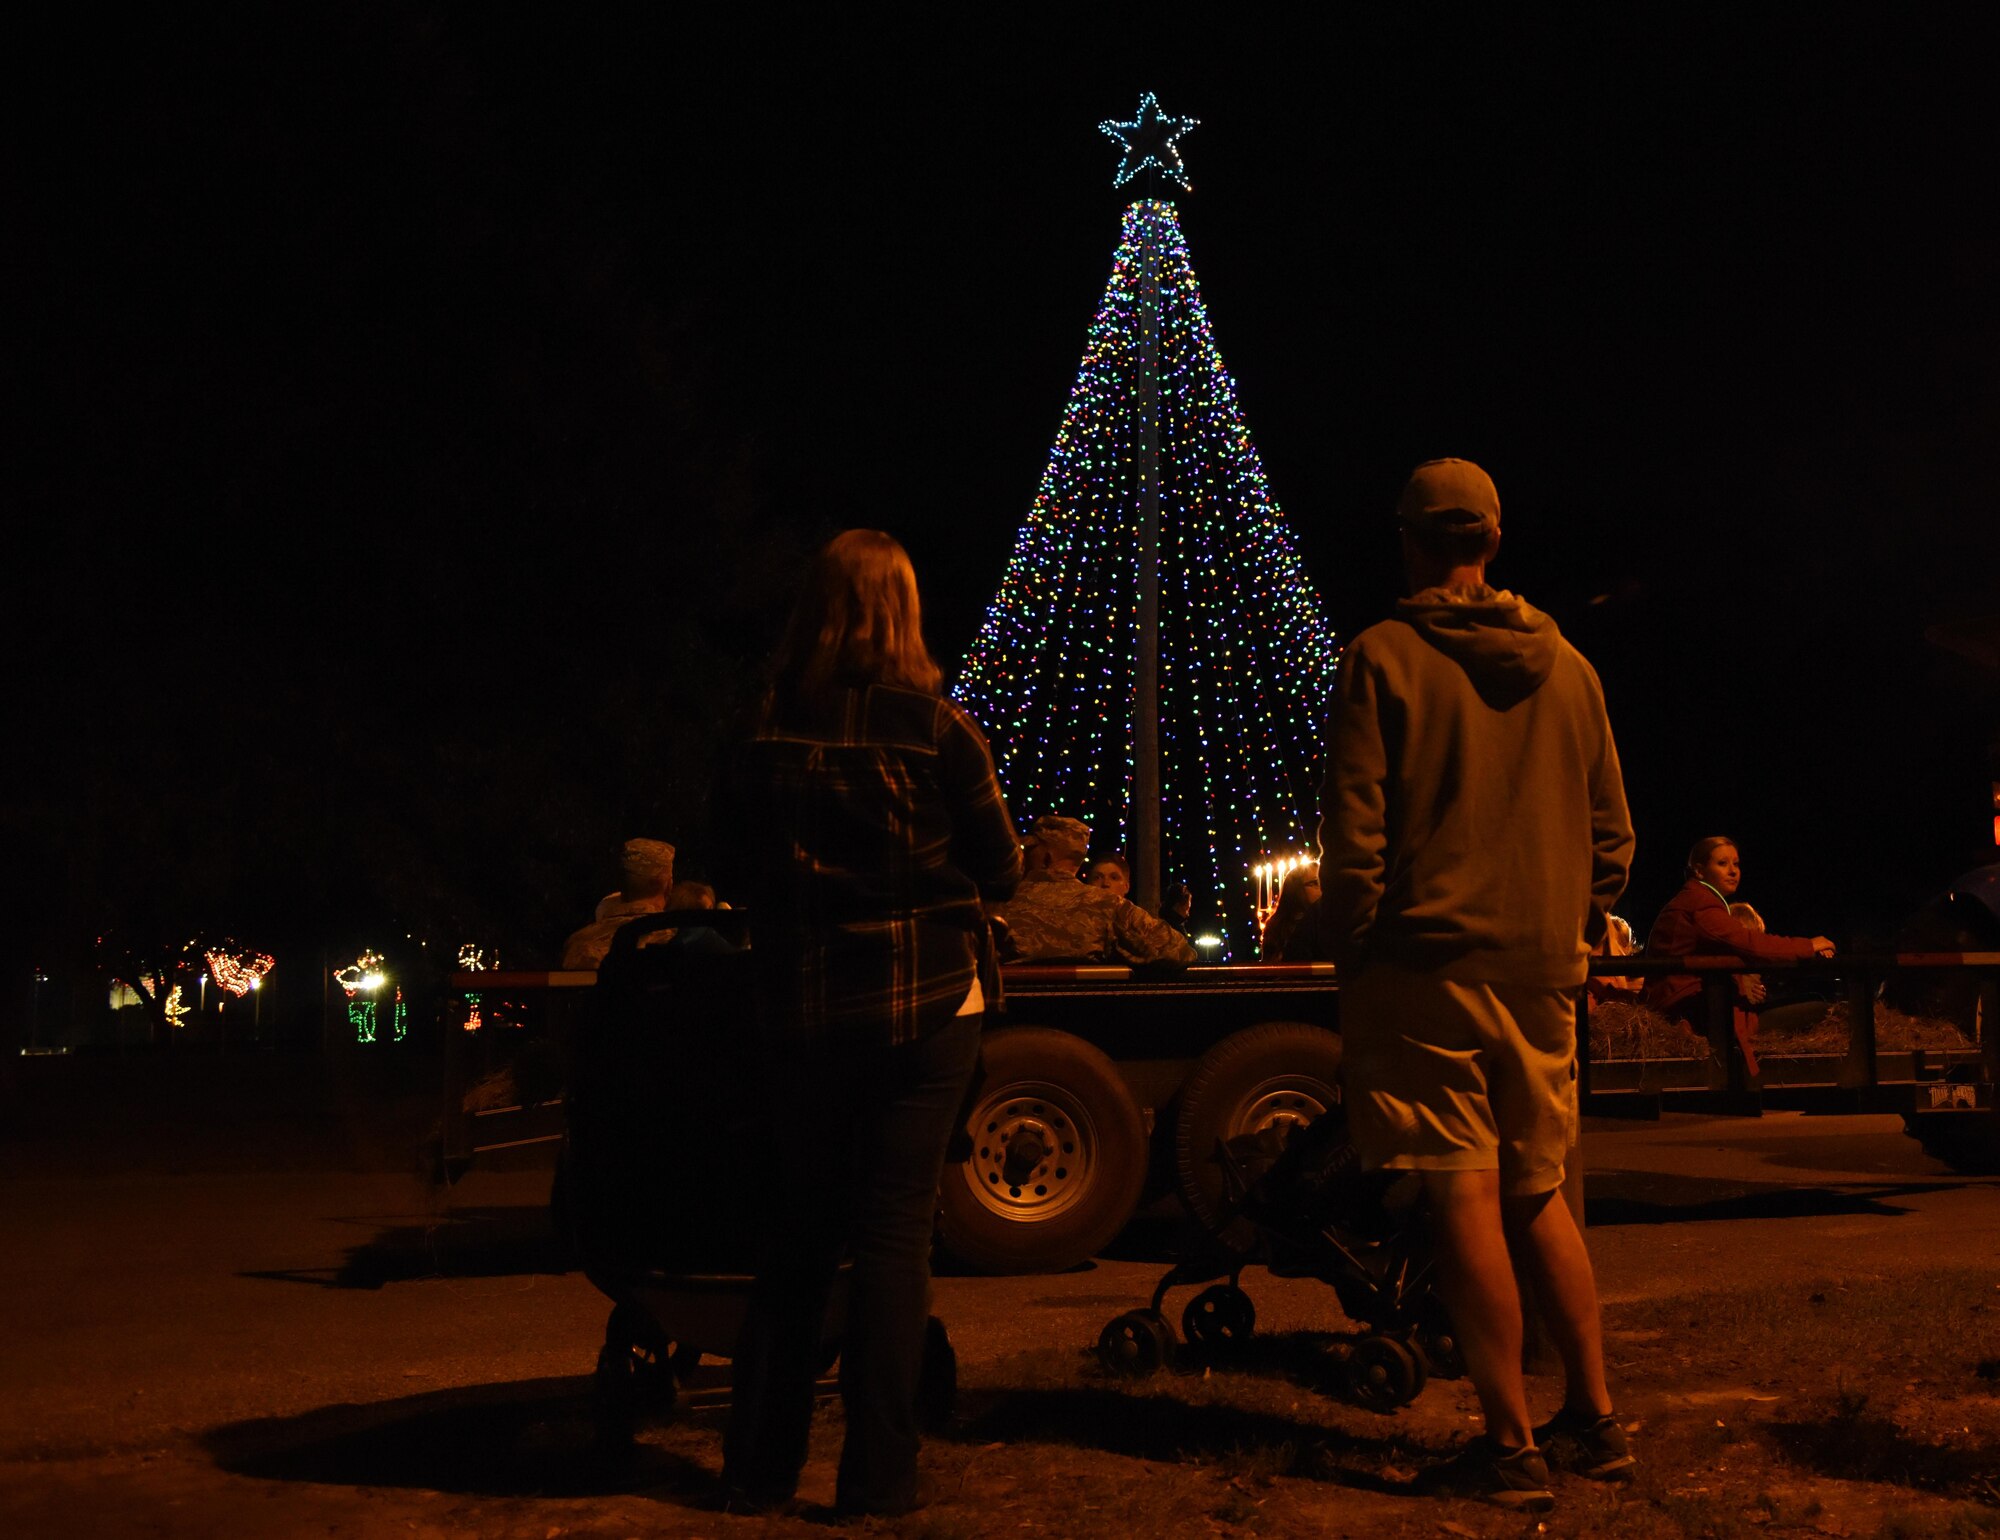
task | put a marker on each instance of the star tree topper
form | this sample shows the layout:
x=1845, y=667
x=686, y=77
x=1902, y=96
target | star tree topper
x=1149, y=141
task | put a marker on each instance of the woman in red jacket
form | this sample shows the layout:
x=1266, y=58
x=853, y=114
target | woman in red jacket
x=1697, y=923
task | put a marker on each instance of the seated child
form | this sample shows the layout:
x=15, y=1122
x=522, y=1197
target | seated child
x=1617, y=941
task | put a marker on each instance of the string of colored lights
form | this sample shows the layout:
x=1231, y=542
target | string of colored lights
x=364, y=974
x=472, y=959
x=1247, y=657
x=237, y=972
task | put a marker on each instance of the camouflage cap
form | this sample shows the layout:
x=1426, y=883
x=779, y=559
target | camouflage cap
x=1066, y=838
x=644, y=860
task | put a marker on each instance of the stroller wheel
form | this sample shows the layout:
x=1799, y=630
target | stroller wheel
x=1219, y=1319
x=1383, y=1374
x=634, y=1374
x=1136, y=1344
x=1436, y=1344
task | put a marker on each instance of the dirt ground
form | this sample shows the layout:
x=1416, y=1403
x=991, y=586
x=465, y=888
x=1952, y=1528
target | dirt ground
x=1803, y=1316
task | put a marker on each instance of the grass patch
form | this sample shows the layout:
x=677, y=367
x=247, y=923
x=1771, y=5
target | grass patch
x=1959, y=1524
x=1852, y=1407
x=1873, y=1381
x=1849, y=1407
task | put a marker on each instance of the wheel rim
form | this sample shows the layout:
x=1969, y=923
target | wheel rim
x=1284, y=1102
x=1127, y=1345
x=1221, y=1317
x=1136, y=1344
x=1035, y=1152
x=1221, y=1313
x=1384, y=1375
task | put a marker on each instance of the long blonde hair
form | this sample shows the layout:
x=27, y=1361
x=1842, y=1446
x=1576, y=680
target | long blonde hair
x=857, y=622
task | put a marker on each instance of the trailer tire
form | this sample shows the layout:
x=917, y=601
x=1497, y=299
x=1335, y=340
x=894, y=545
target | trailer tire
x=1263, y=1076
x=1061, y=1100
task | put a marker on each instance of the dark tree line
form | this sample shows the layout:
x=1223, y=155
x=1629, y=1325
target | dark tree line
x=393, y=566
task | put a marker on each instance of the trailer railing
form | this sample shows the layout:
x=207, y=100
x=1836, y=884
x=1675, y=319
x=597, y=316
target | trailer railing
x=504, y=1076
x=1859, y=1079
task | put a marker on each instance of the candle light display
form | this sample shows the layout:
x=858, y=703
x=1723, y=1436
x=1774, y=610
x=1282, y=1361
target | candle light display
x=1267, y=881
x=1246, y=660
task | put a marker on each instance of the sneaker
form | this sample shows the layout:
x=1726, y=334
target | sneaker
x=1514, y=1479
x=1588, y=1445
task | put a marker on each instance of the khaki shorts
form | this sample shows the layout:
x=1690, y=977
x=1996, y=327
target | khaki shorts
x=1444, y=1076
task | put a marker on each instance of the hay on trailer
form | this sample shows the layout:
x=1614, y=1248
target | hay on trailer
x=1627, y=1030
x=1895, y=1032
x=1622, y=1029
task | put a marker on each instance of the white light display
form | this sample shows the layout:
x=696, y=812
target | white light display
x=1149, y=142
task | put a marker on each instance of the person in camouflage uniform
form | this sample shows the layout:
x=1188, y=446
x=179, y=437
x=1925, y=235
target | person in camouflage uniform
x=1053, y=917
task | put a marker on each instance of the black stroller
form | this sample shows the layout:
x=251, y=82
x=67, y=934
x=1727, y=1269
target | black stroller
x=665, y=1163
x=1298, y=1202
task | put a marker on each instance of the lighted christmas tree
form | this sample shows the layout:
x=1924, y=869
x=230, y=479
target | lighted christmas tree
x=1155, y=589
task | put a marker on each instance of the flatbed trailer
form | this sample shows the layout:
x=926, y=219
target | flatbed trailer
x=1099, y=1086
x=1103, y=1085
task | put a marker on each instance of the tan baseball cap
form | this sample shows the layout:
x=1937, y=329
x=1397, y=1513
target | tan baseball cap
x=1449, y=497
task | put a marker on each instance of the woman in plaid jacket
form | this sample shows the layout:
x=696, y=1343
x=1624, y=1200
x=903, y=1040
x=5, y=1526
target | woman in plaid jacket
x=875, y=835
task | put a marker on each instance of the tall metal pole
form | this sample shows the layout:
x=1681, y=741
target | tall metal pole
x=1146, y=705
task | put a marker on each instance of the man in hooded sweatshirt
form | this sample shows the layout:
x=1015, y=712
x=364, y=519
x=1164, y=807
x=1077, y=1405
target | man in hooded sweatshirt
x=1475, y=837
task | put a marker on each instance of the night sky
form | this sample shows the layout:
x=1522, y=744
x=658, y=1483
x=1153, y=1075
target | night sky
x=409, y=374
